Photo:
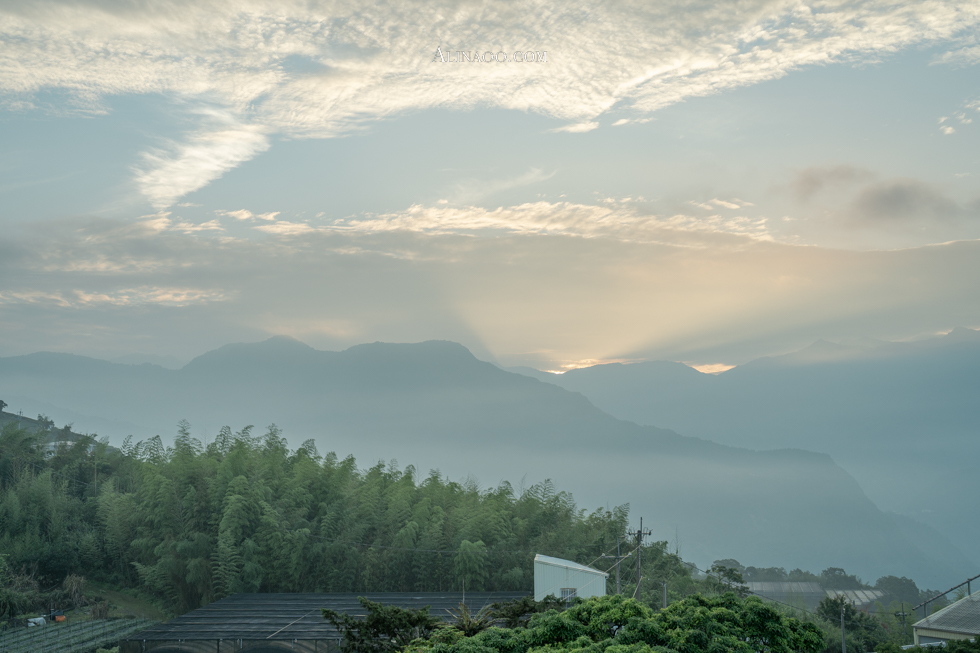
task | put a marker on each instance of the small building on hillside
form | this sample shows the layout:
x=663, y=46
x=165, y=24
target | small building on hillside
x=961, y=620
x=566, y=579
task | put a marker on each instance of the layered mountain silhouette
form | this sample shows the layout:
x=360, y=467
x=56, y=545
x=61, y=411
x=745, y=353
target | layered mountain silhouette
x=903, y=418
x=434, y=405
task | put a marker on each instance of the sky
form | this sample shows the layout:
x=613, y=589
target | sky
x=705, y=182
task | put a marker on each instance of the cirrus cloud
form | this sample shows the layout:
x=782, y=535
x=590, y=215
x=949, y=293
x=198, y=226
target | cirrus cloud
x=248, y=71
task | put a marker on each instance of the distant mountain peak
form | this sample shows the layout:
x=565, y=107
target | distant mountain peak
x=276, y=347
x=824, y=345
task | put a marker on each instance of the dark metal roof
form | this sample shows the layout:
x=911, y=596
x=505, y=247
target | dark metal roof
x=298, y=616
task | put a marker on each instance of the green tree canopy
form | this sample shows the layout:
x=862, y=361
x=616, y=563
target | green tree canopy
x=614, y=624
x=386, y=628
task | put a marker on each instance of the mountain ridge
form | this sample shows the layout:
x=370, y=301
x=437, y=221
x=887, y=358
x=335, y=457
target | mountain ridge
x=435, y=402
x=889, y=414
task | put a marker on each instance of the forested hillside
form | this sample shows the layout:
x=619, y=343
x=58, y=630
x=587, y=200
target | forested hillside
x=198, y=521
x=243, y=513
x=433, y=404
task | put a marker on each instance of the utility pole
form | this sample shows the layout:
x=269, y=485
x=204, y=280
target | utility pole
x=903, y=614
x=843, y=643
x=617, y=558
x=665, y=594
x=640, y=534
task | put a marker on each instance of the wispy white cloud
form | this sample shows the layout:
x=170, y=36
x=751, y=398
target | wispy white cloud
x=285, y=228
x=324, y=68
x=615, y=220
x=143, y=295
x=577, y=128
x=192, y=227
x=245, y=214
x=727, y=205
x=474, y=190
x=172, y=171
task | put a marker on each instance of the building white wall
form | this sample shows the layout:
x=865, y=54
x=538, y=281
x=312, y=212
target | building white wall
x=551, y=577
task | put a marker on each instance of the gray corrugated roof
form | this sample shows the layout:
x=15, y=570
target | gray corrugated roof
x=960, y=617
x=298, y=616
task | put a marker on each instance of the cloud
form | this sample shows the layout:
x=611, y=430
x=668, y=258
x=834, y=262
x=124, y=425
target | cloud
x=474, y=190
x=190, y=227
x=811, y=181
x=902, y=200
x=326, y=68
x=244, y=214
x=727, y=205
x=576, y=128
x=599, y=297
x=968, y=55
x=170, y=172
x=78, y=298
x=284, y=228
x=240, y=214
x=615, y=220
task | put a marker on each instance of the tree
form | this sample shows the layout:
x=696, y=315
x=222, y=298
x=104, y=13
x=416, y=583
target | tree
x=471, y=565
x=861, y=629
x=3, y=404
x=616, y=624
x=899, y=589
x=45, y=422
x=765, y=574
x=385, y=629
x=835, y=578
x=470, y=623
x=515, y=612
x=727, y=579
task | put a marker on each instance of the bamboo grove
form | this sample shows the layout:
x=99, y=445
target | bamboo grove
x=195, y=522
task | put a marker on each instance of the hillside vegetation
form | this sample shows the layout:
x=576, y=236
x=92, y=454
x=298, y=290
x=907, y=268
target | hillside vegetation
x=192, y=523
x=189, y=524
x=435, y=405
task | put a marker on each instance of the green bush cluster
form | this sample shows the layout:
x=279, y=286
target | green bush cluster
x=615, y=624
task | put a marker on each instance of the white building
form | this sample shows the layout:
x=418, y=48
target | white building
x=566, y=579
